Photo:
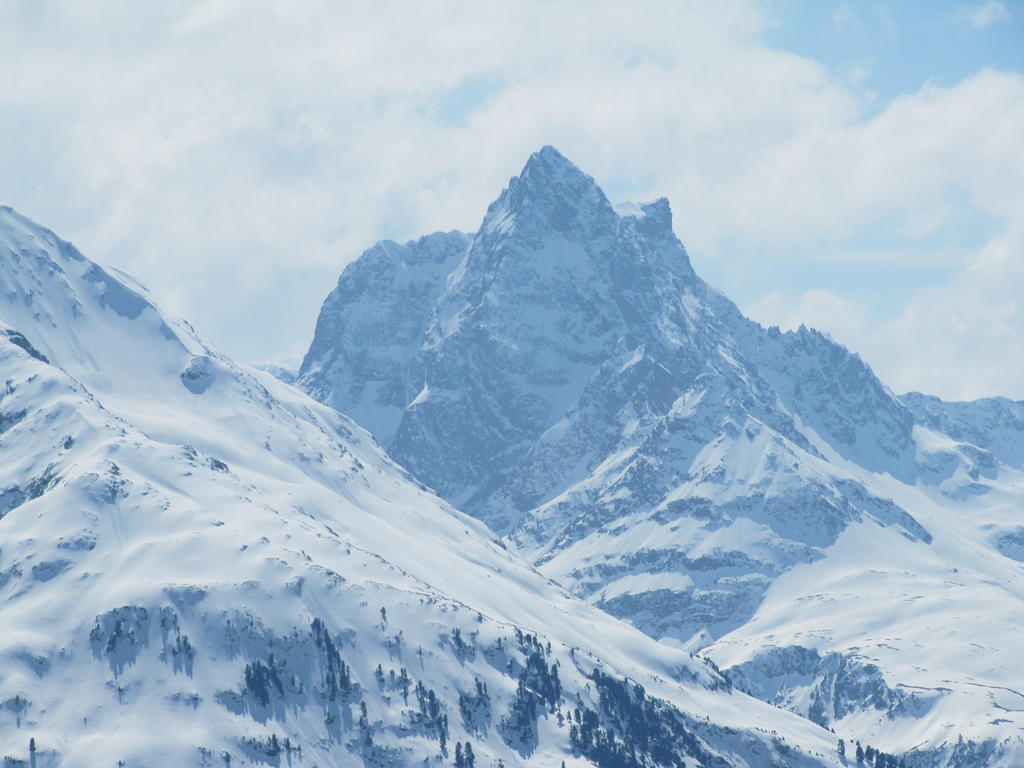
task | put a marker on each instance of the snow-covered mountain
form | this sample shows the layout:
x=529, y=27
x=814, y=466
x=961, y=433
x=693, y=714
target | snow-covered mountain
x=202, y=566
x=565, y=376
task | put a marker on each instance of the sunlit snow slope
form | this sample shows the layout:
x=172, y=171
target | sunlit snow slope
x=199, y=565
x=564, y=375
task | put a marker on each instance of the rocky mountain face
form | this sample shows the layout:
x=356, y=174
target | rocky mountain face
x=994, y=424
x=202, y=566
x=759, y=496
x=362, y=358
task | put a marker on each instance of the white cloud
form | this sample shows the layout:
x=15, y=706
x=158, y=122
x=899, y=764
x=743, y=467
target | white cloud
x=235, y=155
x=984, y=14
x=965, y=336
x=960, y=340
x=919, y=163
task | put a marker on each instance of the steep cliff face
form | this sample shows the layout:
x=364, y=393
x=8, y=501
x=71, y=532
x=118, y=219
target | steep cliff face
x=200, y=565
x=581, y=390
x=372, y=324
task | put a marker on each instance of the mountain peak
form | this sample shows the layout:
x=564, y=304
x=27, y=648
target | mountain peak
x=549, y=170
x=548, y=161
x=551, y=193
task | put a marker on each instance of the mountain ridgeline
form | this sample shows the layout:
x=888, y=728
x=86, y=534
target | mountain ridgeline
x=202, y=566
x=756, y=496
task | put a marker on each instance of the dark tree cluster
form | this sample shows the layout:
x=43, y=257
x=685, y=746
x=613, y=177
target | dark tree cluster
x=183, y=654
x=464, y=757
x=542, y=679
x=519, y=726
x=394, y=680
x=463, y=651
x=338, y=681
x=271, y=747
x=868, y=755
x=632, y=730
x=261, y=679
x=365, y=730
x=538, y=688
x=529, y=643
x=431, y=714
x=475, y=708
x=402, y=683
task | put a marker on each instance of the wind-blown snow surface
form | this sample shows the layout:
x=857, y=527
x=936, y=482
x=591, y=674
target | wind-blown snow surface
x=565, y=376
x=199, y=565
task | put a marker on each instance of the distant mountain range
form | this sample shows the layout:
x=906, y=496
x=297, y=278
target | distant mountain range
x=754, y=496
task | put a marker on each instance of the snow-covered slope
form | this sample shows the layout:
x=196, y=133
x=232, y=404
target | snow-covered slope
x=199, y=565
x=578, y=387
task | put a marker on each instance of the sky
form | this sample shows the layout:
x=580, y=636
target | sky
x=854, y=166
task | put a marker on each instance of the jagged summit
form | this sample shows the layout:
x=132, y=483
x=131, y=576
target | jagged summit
x=549, y=161
x=549, y=168
x=550, y=194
